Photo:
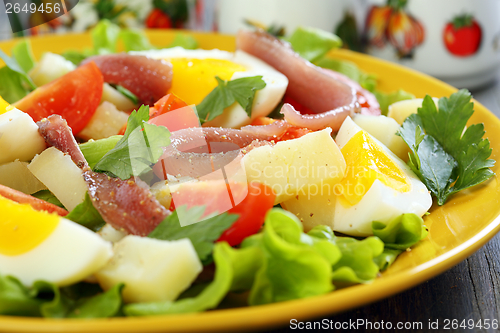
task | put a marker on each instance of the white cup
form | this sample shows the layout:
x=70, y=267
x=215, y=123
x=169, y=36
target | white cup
x=466, y=57
x=290, y=14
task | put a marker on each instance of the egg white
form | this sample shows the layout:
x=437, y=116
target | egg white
x=380, y=203
x=68, y=255
x=235, y=116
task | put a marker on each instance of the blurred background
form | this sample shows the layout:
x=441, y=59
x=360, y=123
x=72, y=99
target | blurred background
x=457, y=41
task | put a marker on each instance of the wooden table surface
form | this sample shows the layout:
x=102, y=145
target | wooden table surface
x=470, y=290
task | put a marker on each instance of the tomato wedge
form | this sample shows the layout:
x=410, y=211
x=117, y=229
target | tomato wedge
x=213, y=195
x=75, y=96
x=172, y=112
x=179, y=120
x=166, y=104
x=252, y=211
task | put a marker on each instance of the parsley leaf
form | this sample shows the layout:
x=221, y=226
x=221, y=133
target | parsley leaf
x=202, y=234
x=140, y=147
x=86, y=215
x=241, y=90
x=446, y=158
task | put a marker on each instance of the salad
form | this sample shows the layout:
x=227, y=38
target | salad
x=284, y=180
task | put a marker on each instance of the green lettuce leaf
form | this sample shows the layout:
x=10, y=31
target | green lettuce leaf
x=94, y=151
x=86, y=215
x=386, y=258
x=356, y=265
x=104, y=305
x=185, y=41
x=295, y=265
x=105, y=37
x=48, y=196
x=349, y=69
x=15, y=83
x=12, y=87
x=82, y=300
x=202, y=234
x=76, y=57
x=24, y=55
x=135, y=40
x=312, y=43
x=386, y=99
x=16, y=299
x=402, y=232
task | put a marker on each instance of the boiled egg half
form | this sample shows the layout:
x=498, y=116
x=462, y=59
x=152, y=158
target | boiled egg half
x=378, y=186
x=36, y=245
x=194, y=73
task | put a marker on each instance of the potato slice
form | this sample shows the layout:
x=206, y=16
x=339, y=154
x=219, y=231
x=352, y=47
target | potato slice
x=61, y=176
x=19, y=137
x=384, y=129
x=52, y=66
x=105, y=122
x=16, y=175
x=296, y=166
x=113, y=96
x=313, y=208
x=401, y=110
x=153, y=270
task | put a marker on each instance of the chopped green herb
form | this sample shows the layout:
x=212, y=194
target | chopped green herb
x=226, y=93
x=140, y=147
x=445, y=157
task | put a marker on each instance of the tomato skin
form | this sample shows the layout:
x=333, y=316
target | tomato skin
x=464, y=41
x=158, y=19
x=75, y=96
x=252, y=211
x=166, y=104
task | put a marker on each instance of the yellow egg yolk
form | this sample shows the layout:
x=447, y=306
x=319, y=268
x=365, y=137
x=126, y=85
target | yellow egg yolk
x=366, y=162
x=4, y=106
x=194, y=79
x=22, y=228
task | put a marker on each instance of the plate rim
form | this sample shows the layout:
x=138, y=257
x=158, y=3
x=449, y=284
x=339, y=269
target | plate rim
x=257, y=316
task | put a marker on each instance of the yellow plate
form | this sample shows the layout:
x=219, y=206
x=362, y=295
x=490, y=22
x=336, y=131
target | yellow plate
x=457, y=229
